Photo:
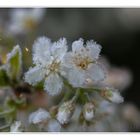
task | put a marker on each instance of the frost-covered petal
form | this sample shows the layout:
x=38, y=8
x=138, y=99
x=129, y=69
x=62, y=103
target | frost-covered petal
x=76, y=77
x=39, y=116
x=59, y=48
x=95, y=72
x=77, y=45
x=53, y=126
x=94, y=49
x=53, y=84
x=34, y=75
x=41, y=50
x=68, y=60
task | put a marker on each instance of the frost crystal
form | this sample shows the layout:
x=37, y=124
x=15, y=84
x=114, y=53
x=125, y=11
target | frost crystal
x=48, y=58
x=82, y=63
x=40, y=116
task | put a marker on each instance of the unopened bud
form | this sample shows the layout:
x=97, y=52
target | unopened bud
x=89, y=111
x=112, y=95
x=65, y=112
x=39, y=117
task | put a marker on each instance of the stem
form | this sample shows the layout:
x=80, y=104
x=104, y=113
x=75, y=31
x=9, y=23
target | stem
x=78, y=92
x=5, y=127
x=7, y=112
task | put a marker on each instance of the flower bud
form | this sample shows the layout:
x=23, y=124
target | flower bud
x=112, y=95
x=40, y=116
x=65, y=112
x=89, y=111
x=53, y=126
x=16, y=127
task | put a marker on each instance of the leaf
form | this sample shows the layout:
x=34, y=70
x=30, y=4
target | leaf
x=4, y=80
x=14, y=63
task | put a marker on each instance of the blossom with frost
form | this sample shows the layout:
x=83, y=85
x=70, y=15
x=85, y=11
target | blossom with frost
x=48, y=60
x=65, y=112
x=82, y=63
x=23, y=20
x=89, y=111
x=53, y=126
x=16, y=127
x=39, y=116
x=112, y=95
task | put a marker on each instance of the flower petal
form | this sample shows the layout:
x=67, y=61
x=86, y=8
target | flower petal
x=94, y=49
x=34, y=75
x=53, y=84
x=41, y=50
x=59, y=48
x=76, y=77
x=95, y=73
x=77, y=45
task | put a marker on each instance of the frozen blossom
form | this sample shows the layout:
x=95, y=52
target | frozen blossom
x=82, y=64
x=23, y=20
x=48, y=60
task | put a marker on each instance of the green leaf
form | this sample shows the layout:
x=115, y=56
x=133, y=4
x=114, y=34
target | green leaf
x=14, y=63
x=4, y=80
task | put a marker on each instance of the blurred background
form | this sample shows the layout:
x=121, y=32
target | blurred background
x=116, y=29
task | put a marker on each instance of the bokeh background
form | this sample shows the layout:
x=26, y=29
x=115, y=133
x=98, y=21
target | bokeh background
x=116, y=29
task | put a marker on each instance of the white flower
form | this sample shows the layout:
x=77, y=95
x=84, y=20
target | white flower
x=39, y=116
x=82, y=63
x=48, y=58
x=112, y=95
x=23, y=20
x=53, y=126
x=89, y=111
x=16, y=127
x=65, y=112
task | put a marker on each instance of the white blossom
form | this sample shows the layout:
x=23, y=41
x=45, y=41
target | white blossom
x=53, y=126
x=89, y=111
x=16, y=127
x=65, y=112
x=39, y=116
x=82, y=64
x=22, y=20
x=48, y=60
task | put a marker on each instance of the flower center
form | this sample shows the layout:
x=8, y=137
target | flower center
x=82, y=62
x=54, y=66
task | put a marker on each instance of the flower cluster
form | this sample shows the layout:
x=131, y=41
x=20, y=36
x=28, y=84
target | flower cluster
x=54, y=63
